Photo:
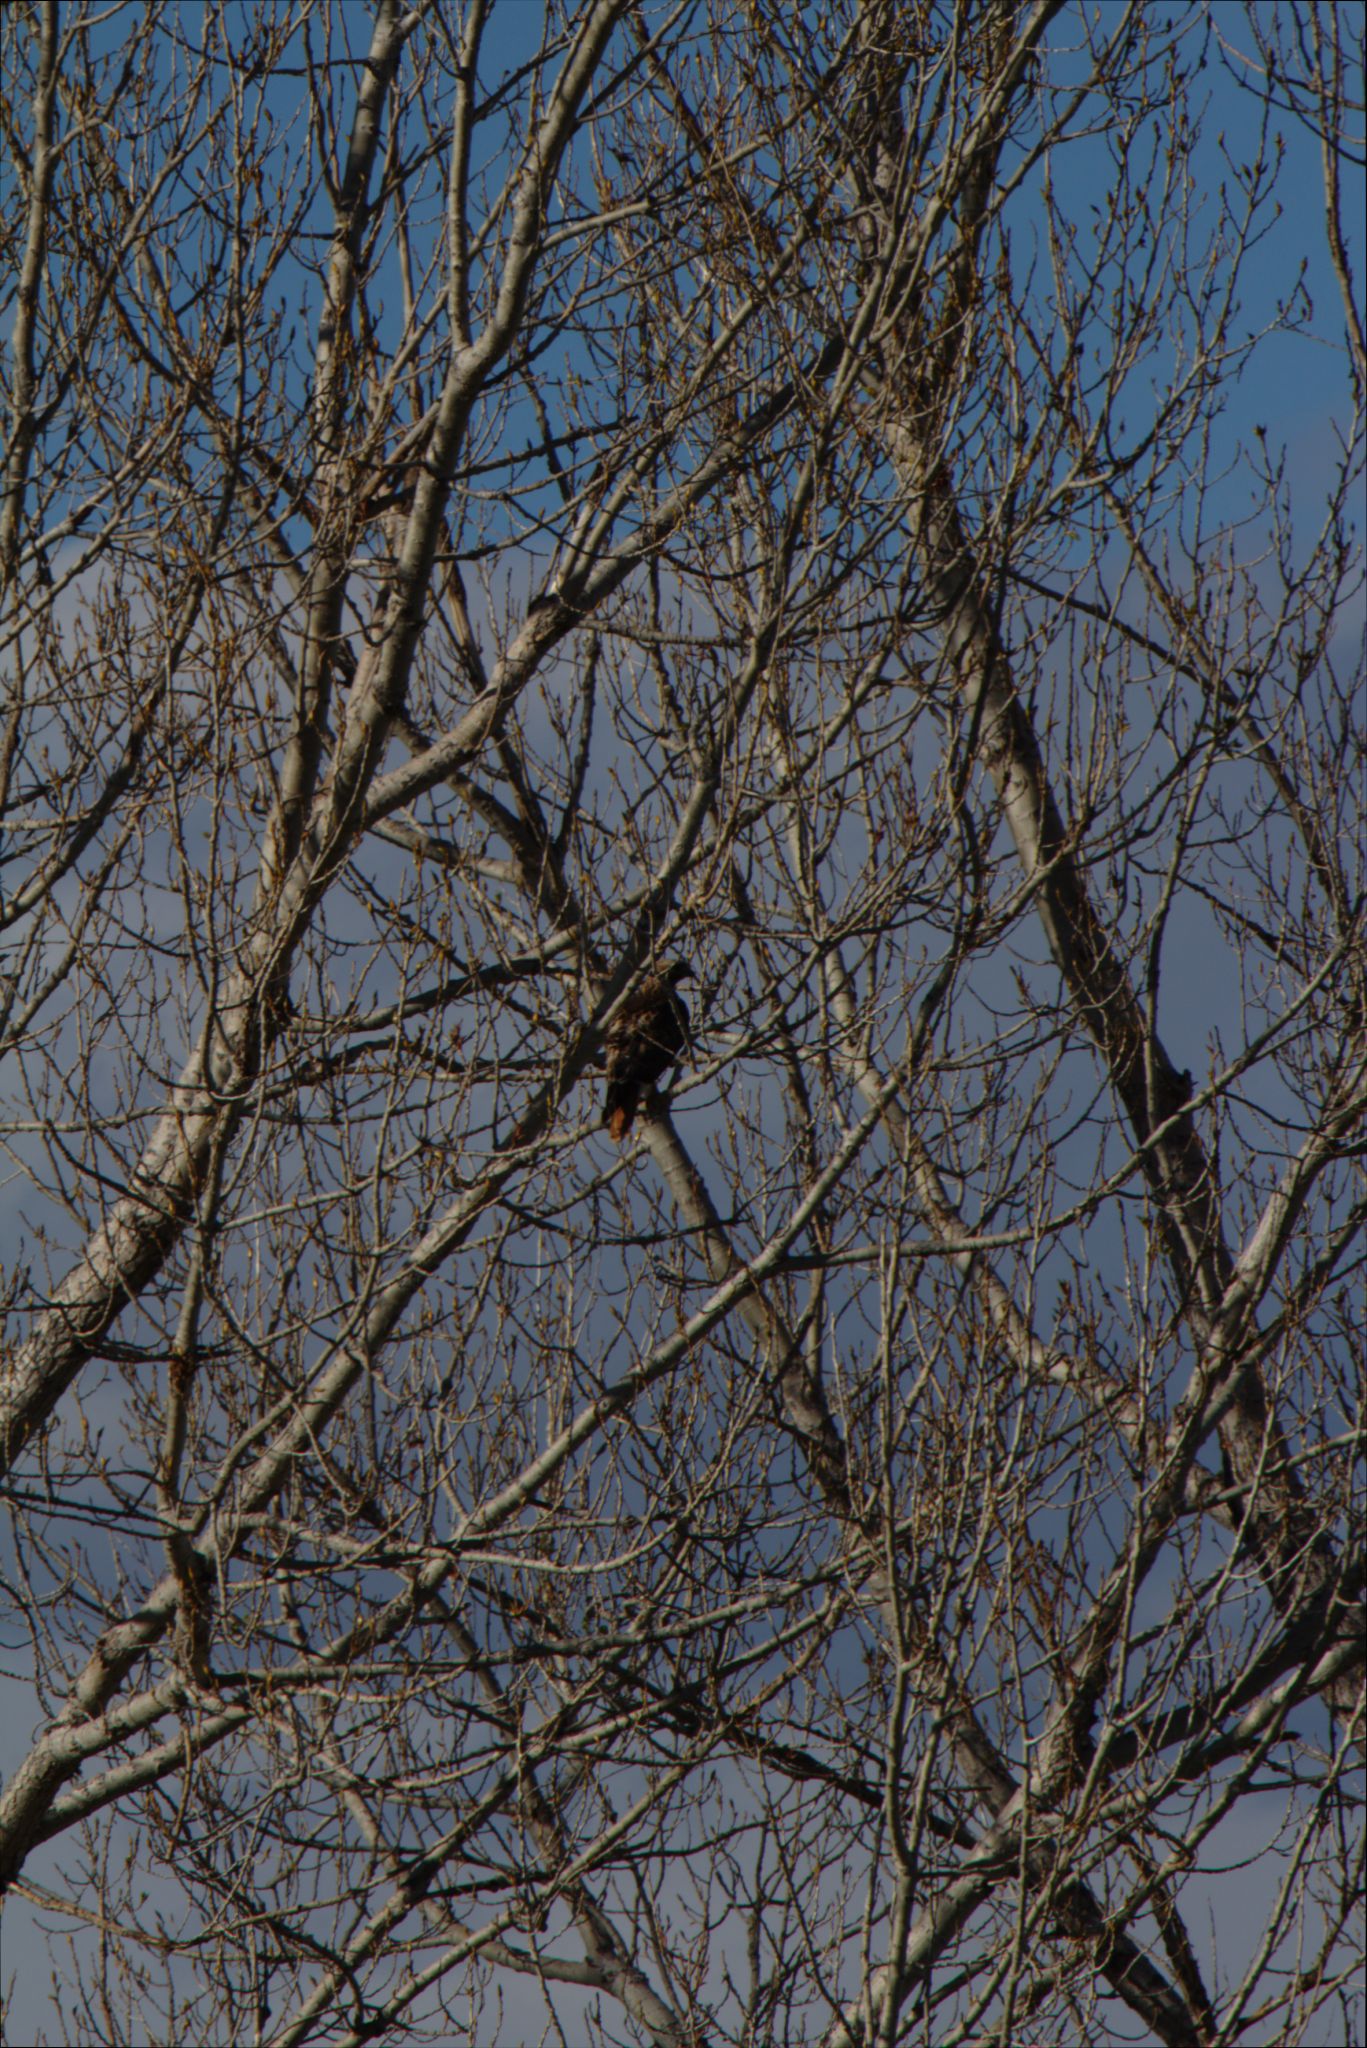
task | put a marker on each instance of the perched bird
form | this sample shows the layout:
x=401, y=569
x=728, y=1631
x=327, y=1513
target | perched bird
x=645, y=1039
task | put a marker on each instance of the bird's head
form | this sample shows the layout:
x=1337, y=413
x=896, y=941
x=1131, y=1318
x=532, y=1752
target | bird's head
x=679, y=970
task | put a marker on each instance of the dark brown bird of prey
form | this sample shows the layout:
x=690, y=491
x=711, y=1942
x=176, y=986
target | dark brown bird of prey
x=645, y=1039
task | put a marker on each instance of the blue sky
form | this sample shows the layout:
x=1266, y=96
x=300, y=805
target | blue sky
x=1285, y=401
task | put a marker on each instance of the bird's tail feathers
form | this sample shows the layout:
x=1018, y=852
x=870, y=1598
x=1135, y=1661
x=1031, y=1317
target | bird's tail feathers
x=618, y=1121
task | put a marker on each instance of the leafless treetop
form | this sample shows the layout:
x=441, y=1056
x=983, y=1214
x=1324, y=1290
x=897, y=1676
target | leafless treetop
x=866, y=501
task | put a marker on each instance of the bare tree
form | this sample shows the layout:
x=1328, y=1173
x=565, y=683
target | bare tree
x=497, y=505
